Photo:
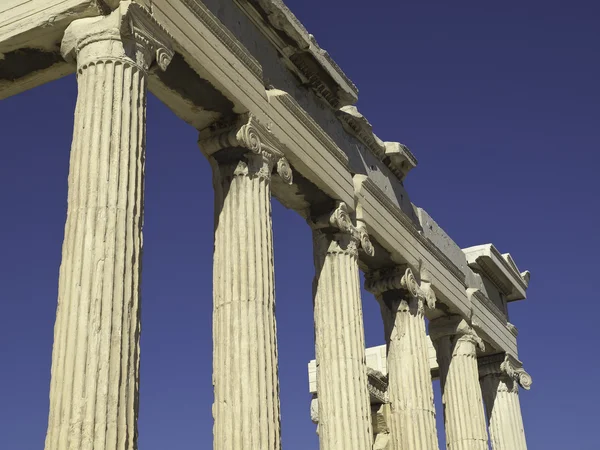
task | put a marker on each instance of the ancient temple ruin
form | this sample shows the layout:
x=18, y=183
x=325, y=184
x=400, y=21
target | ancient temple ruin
x=275, y=117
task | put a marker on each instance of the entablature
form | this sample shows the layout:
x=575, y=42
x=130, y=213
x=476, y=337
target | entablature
x=500, y=269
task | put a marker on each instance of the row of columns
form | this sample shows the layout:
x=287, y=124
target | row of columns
x=95, y=362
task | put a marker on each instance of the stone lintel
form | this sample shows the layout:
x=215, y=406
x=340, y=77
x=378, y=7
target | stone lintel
x=30, y=37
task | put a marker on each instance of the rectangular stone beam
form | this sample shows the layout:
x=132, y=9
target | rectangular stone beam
x=30, y=36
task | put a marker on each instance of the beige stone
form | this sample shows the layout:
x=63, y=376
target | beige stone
x=245, y=374
x=265, y=97
x=95, y=362
x=500, y=381
x=456, y=344
x=402, y=301
x=344, y=407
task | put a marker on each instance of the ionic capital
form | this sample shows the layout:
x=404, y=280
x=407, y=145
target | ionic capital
x=248, y=133
x=455, y=327
x=347, y=237
x=130, y=34
x=507, y=367
x=400, y=278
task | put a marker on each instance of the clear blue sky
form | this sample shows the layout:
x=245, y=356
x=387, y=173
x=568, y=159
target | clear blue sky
x=499, y=101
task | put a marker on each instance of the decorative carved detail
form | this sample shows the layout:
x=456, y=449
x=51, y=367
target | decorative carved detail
x=377, y=385
x=247, y=132
x=472, y=337
x=340, y=219
x=224, y=36
x=365, y=241
x=400, y=277
x=513, y=368
x=130, y=22
x=506, y=366
x=454, y=326
x=488, y=304
x=429, y=295
x=409, y=283
x=285, y=171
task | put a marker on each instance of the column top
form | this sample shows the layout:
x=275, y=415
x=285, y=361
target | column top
x=339, y=222
x=130, y=33
x=454, y=325
x=400, y=277
x=505, y=365
x=247, y=132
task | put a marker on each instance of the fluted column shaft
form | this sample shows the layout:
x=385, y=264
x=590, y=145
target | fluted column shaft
x=412, y=419
x=503, y=408
x=456, y=346
x=344, y=406
x=245, y=373
x=95, y=361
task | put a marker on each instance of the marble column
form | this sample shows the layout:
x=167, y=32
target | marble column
x=456, y=346
x=245, y=372
x=344, y=406
x=500, y=378
x=410, y=390
x=95, y=361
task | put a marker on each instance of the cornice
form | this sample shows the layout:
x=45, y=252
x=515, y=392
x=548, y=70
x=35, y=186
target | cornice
x=300, y=51
x=394, y=155
x=510, y=267
x=315, y=129
x=224, y=36
x=499, y=269
x=395, y=211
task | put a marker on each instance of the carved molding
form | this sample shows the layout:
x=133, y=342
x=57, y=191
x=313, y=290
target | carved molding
x=224, y=36
x=339, y=219
x=377, y=385
x=513, y=368
x=408, y=225
x=400, y=278
x=504, y=365
x=456, y=327
x=247, y=132
x=129, y=23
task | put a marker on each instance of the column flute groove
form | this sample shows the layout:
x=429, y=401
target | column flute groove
x=344, y=406
x=500, y=377
x=245, y=372
x=456, y=346
x=95, y=363
x=403, y=302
